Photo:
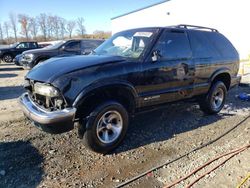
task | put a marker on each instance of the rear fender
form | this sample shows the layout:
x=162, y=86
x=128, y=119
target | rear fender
x=218, y=72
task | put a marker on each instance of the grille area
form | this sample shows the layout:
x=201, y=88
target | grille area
x=45, y=102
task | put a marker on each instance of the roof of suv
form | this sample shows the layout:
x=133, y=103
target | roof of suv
x=185, y=27
x=194, y=27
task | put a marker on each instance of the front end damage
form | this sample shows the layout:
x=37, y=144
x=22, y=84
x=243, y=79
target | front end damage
x=46, y=108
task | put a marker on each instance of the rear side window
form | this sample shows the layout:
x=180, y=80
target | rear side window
x=201, y=46
x=73, y=45
x=32, y=45
x=173, y=45
x=91, y=44
x=222, y=45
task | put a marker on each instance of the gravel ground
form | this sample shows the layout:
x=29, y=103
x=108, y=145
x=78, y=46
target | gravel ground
x=32, y=158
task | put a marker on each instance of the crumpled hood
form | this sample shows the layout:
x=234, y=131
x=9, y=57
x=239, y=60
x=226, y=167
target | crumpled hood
x=55, y=67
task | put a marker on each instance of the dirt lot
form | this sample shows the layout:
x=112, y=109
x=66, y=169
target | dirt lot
x=31, y=158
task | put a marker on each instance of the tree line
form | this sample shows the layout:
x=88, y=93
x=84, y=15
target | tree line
x=44, y=27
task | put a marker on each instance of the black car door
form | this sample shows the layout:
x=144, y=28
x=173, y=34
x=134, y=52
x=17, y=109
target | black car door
x=168, y=73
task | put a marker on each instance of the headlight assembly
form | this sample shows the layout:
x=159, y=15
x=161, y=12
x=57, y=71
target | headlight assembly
x=45, y=90
x=28, y=57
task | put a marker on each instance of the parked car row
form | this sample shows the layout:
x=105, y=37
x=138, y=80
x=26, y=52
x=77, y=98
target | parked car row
x=133, y=71
x=8, y=54
x=31, y=58
x=29, y=54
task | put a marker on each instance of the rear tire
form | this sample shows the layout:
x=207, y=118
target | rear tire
x=214, y=100
x=106, y=127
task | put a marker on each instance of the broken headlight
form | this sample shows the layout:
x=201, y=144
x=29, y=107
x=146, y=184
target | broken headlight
x=45, y=90
x=28, y=57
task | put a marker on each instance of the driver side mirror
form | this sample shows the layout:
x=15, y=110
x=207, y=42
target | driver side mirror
x=156, y=55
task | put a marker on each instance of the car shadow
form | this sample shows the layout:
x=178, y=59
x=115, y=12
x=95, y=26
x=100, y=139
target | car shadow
x=162, y=124
x=11, y=69
x=7, y=64
x=11, y=92
x=7, y=75
x=22, y=168
x=165, y=123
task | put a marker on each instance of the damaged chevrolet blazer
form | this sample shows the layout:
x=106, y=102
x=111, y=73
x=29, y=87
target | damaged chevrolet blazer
x=133, y=71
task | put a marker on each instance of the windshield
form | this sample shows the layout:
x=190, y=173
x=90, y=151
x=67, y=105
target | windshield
x=129, y=44
x=14, y=45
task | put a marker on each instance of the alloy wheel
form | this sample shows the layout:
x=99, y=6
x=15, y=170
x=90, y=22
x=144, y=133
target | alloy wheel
x=109, y=127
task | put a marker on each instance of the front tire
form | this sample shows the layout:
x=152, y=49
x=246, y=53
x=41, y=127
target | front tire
x=7, y=58
x=106, y=127
x=214, y=100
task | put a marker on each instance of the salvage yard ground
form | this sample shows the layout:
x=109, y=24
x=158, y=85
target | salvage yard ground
x=32, y=158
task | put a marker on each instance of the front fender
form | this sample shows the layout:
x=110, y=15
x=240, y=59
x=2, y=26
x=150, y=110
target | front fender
x=92, y=88
x=39, y=58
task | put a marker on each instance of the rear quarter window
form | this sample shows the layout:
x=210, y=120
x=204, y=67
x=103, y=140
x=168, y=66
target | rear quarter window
x=211, y=45
x=201, y=46
x=222, y=45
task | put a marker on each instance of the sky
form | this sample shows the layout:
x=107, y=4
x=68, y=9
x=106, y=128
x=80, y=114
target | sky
x=97, y=13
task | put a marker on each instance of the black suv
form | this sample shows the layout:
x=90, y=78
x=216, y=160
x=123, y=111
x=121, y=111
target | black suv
x=8, y=54
x=64, y=48
x=132, y=71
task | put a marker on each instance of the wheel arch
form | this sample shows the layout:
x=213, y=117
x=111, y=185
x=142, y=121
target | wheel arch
x=121, y=92
x=8, y=53
x=38, y=59
x=221, y=75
